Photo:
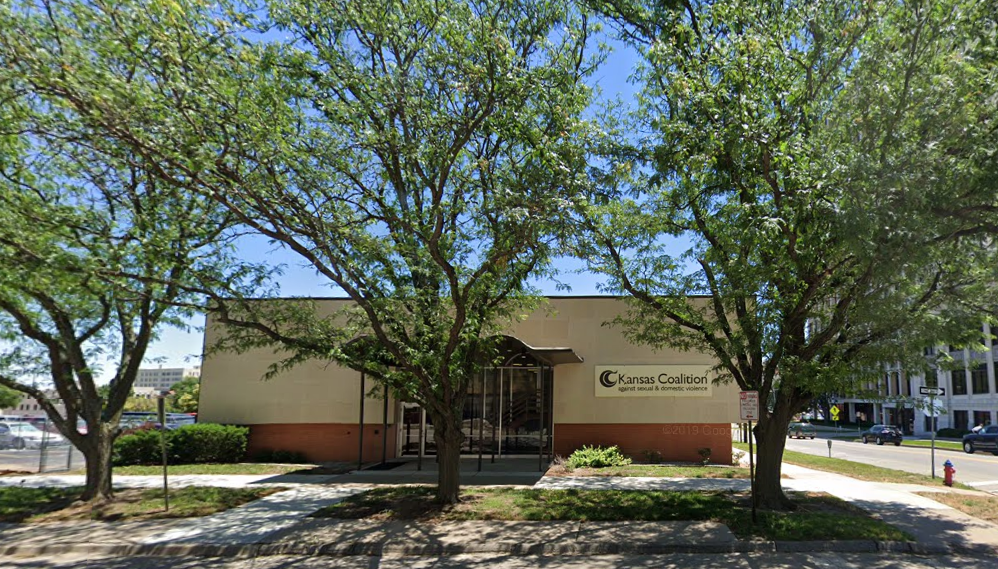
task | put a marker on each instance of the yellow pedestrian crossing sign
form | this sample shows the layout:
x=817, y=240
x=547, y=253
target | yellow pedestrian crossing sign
x=835, y=413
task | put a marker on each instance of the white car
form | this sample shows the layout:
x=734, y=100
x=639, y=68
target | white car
x=26, y=435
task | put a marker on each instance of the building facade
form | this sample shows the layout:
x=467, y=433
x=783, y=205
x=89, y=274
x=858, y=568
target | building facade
x=969, y=390
x=29, y=406
x=162, y=379
x=567, y=381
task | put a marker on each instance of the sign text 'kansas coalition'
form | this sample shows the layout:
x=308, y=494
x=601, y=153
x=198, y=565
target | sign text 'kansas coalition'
x=653, y=381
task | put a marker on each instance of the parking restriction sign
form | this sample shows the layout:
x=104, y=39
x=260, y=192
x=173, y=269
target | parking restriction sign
x=749, y=405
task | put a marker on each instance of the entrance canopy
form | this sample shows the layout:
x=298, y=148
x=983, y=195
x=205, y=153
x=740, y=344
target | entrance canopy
x=514, y=348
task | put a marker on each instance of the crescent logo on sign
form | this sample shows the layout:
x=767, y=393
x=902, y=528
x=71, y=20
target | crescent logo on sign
x=605, y=381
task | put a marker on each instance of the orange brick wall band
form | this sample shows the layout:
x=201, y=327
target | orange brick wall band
x=676, y=442
x=321, y=442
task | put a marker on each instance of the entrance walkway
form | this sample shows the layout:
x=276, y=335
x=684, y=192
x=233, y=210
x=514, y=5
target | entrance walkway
x=278, y=524
x=505, y=471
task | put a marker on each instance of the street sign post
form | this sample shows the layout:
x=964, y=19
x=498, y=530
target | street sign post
x=748, y=407
x=835, y=414
x=931, y=410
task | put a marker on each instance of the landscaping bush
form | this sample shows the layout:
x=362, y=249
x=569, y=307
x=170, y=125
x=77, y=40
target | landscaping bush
x=597, y=457
x=279, y=456
x=704, y=455
x=652, y=456
x=208, y=443
x=949, y=433
x=203, y=443
x=140, y=446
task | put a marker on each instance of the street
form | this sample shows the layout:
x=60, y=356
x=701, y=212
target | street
x=979, y=470
x=675, y=561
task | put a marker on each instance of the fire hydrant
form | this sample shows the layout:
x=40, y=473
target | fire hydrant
x=948, y=472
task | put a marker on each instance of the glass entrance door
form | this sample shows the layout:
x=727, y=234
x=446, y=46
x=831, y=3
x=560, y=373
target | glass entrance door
x=506, y=412
x=521, y=428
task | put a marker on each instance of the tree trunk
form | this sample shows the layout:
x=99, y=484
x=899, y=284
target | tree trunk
x=771, y=437
x=448, y=437
x=96, y=449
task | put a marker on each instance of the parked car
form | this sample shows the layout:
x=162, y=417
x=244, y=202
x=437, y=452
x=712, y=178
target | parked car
x=27, y=435
x=985, y=439
x=883, y=434
x=801, y=430
x=6, y=437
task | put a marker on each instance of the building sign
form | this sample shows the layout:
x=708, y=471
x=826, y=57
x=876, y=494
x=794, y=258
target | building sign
x=653, y=381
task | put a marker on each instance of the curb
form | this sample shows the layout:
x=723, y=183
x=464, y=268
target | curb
x=507, y=549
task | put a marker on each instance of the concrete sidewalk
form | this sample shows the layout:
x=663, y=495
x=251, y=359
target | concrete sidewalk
x=278, y=524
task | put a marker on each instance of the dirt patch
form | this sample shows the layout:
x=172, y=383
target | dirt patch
x=133, y=504
x=14, y=472
x=75, y=510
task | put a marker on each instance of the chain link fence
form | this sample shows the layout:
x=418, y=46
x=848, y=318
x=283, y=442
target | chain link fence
x=32, y=446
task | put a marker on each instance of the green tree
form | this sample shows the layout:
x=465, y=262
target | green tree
x=140, y=404
x=9, y=398
x=419, y=155
x=185, y=395
x=97, y=253
x=797, y=147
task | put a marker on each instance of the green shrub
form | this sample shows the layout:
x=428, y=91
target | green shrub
x=652, y=456
x=203, y=443
x=951, y=433
x=208, y=443
x=704, y=453
x=597, y=457
x=140, y=446
x=279, y=456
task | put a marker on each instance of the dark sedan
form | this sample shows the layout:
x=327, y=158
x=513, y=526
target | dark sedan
x=883, y=434
x=985, y=439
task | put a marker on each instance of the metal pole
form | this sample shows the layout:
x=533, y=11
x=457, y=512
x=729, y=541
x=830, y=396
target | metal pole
x=42, y=449
x=481, y=426
x=384, y=429
x=932, y=409
x=751, y=462
x=549, y=444
x=161, y=404
x=419, y=444
x=540, y=449
x=360, y=450
x=499, y=395
x=495, y=391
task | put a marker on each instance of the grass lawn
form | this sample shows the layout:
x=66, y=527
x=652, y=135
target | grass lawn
x=947, y=445
x=857, y=470
x=655, y=470
x=950, y=445
x=819, y=516
x=239, y=468
x=980, y=506
x=32, y=505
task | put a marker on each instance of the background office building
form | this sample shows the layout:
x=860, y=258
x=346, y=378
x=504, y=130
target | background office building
x=969, y=392
x=162, y=379
x=566, y=381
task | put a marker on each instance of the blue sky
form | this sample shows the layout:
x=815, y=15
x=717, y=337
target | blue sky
x=179, y=348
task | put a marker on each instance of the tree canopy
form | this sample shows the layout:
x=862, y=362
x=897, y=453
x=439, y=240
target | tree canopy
x=421, y=156
x=9, y=398
x=99, y=252
x=799, y=148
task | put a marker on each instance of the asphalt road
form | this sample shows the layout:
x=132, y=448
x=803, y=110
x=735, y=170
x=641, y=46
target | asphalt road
x=29, y=460
x=979, y=469
x=675, y=561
